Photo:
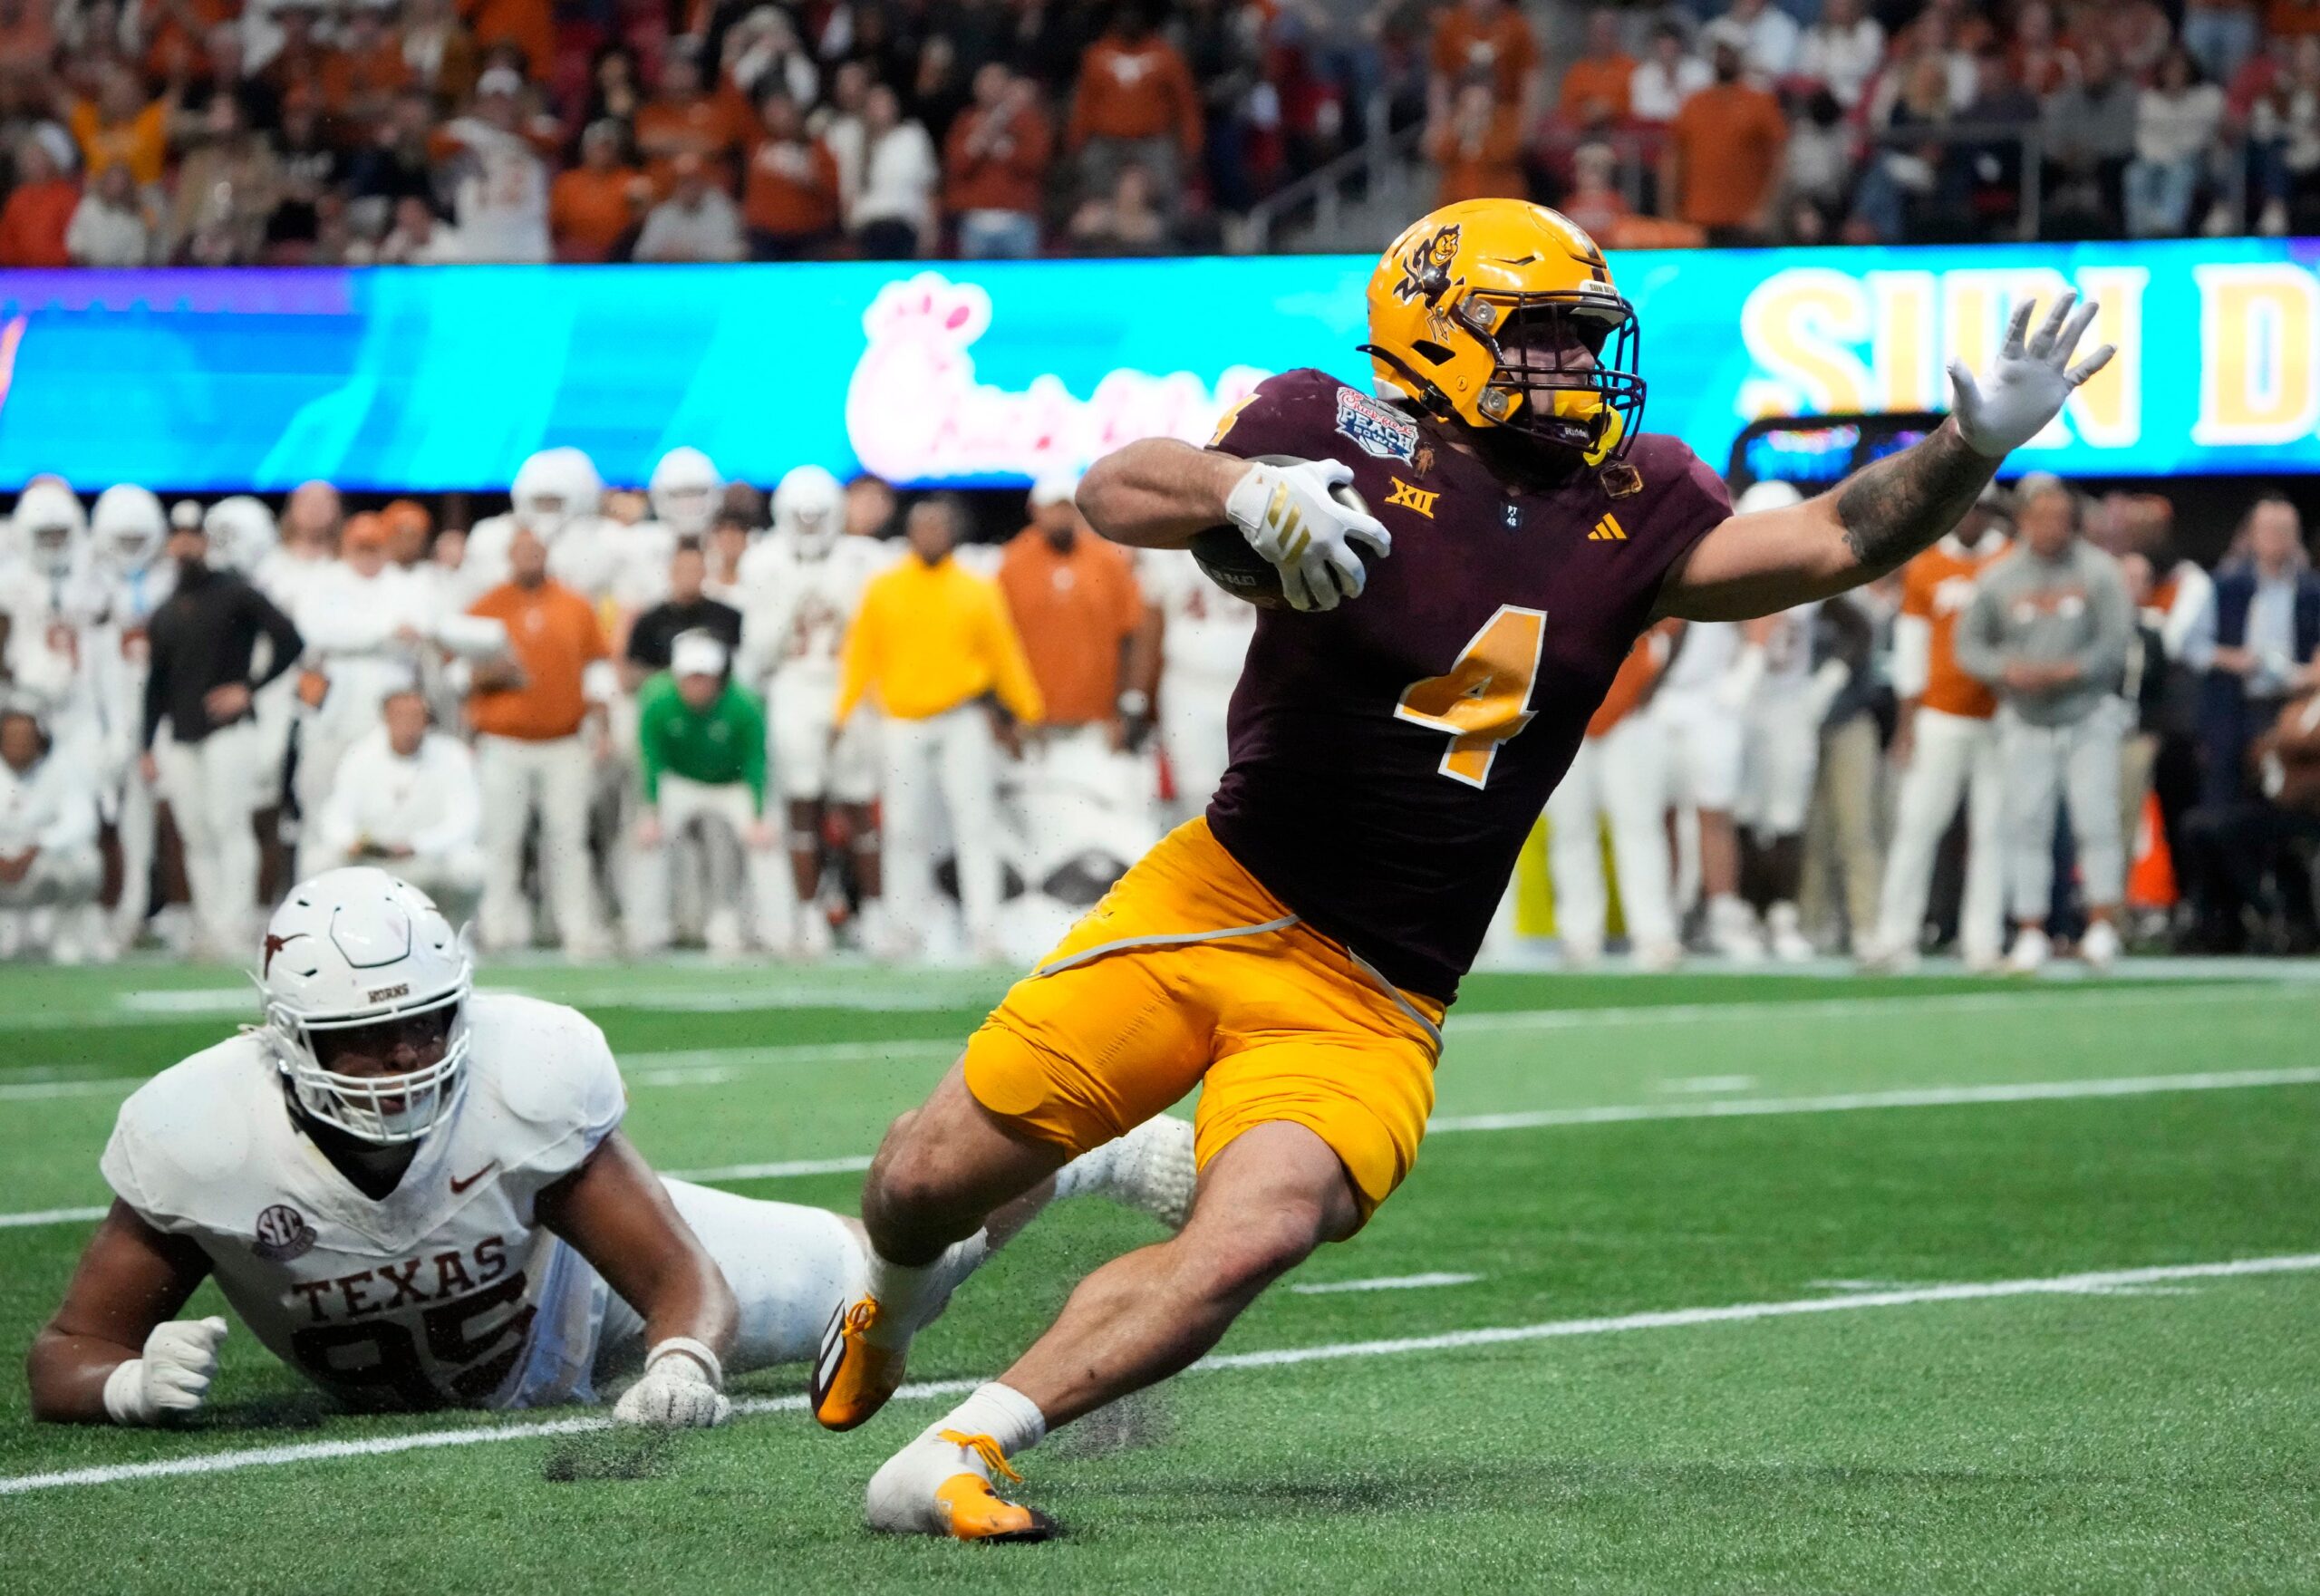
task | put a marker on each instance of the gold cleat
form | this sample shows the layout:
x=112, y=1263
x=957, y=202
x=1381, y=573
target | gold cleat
x=852, y=1380
x=968, y=1507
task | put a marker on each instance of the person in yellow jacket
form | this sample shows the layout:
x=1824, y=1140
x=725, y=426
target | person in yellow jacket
x=932, y=646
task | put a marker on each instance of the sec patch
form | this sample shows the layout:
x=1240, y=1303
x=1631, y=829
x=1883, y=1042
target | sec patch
x=1376, y=427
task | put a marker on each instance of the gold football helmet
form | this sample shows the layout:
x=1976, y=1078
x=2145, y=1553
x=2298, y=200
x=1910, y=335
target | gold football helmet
x=1501, y=314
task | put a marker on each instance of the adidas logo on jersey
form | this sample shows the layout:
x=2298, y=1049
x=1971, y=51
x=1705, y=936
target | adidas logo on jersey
x=1608, y=530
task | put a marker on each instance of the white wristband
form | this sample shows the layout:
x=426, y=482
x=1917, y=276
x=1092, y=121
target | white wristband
x=697, y=1351
x=125, y=1394
x=1244, y=507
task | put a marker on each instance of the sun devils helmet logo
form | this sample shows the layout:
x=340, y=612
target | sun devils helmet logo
x=1426, y=274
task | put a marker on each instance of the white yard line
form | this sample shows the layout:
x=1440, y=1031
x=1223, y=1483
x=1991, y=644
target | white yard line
x=1936, y=1096
x=2099, y=1283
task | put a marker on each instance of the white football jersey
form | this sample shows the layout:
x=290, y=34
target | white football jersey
x=445, y=1292
x=800, y=605
x=1206, y=630
x=1708, y=653
x=580, y=555
x=1788, y=653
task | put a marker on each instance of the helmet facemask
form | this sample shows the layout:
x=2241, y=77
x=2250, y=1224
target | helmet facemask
x=1562, y=368
x=51, y=546
x=384, y=1108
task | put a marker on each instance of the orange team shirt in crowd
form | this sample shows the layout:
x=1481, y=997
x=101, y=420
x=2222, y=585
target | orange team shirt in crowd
x=529, y=25
x=588, y=210
x=1729, y=135
x=991, y=182
x=142, y=143
x=711, y=126
x=1501, y=47
x=171, y=46
x=1936, y=587
x=1144, y=92
x=552, y=634
x=791, y=190
x=33, y=223
x=1493, y=170
x=1638, y=672
x=350, y=76
x=1073, y=612
x=1595, y=89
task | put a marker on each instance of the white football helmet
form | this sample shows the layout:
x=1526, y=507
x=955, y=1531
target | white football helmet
x=50, y=525
x=685, y=489
x=351, y=948
x=241, y=533
x=128, y=526
x=809, y=505
x=554, y=489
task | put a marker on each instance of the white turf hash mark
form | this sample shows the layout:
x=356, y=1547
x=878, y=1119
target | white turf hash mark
x=2101, y=1282
x=1932, y=1097
x=1383, y=1282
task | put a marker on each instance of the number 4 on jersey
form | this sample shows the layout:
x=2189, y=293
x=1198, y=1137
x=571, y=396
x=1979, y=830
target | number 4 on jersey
x=1484, y=698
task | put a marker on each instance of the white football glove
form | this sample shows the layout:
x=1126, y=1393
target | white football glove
x=2026, y=385
x=678, y=1390
x=1287, y=515
x=171, y=1380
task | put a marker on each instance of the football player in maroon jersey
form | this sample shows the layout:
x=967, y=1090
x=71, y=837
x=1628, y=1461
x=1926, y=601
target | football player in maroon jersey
x=1394, y=735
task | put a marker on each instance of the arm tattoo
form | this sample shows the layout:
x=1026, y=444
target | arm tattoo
x=1904, y=502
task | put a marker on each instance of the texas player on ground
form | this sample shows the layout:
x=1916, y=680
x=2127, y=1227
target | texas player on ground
x=1292, y=954
x=419, y=1197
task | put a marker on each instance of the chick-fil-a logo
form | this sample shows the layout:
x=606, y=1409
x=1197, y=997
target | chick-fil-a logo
x=914, y=411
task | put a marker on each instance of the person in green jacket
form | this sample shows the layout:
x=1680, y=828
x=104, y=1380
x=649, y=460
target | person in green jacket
x=700, y=739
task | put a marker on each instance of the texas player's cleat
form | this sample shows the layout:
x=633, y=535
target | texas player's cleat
x=1151, y=1169
x=940, y=1485
x=853, y=1378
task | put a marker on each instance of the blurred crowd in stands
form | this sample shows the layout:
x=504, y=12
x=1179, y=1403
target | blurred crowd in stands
x=353, y=131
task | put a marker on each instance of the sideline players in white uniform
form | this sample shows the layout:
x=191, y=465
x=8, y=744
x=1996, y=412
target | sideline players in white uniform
x=555, y=496
x=419, y=1197
x=803, y=581
x=1204, y=635
x=127, y=532
x=1698, y=708
x=49, y=867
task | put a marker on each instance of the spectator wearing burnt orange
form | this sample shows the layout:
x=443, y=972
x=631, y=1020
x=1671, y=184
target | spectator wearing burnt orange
x=685, y=117
x=1485, y=41
x=591, y=208
x=120, y=127
x=1136, y=104
x=1595, y=86
x=39, y=210
x=529, y=25
x=995, y=165
x=789, y=191
x=1724, y=152
x=364, y=70
x=1478, y=149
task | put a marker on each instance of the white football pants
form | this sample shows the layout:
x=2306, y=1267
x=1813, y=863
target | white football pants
x=1623, y=778
x=950, y=758
x=2047, y=766
x=1955, y=756
x=135, y=825
x=555, y=777
x=1193, y=715
x=64, y=878
x=1778, y=759
x=750, y=884
x=212, y=788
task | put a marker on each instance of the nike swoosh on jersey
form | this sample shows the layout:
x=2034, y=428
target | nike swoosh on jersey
x=458, y=1186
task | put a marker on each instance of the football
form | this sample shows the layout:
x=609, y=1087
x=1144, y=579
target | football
x=1226, y=559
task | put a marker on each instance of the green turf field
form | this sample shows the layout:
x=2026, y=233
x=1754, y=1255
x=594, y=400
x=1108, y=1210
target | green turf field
x=1704, y=1283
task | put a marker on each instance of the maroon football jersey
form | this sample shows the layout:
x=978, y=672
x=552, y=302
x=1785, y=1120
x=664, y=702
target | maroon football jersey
x=1389, y=756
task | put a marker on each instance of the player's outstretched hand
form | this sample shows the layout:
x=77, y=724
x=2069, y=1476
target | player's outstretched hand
x=2025, y=386
x=676, y=1392
x=1292, y=518
x=171, y=1380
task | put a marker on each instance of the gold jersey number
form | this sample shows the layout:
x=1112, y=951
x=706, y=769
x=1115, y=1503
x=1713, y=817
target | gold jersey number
x=1484, y=698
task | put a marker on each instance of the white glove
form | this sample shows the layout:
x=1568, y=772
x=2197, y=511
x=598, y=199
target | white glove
x=1287, y=515
x=171, y=1380
x=2025, y=386
x=678, y=1390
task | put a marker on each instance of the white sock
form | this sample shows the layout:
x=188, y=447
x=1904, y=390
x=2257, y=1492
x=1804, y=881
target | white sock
x=910, y=1296
x=1002, y=1412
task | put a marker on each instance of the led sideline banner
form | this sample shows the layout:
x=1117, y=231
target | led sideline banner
x=987, y=374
